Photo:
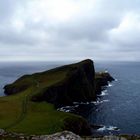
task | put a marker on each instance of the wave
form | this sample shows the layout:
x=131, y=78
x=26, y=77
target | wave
x=103, y=93
x=109, y=128
x=67, y=108
x=76, y=104
x=109, y=85
x=99, y=102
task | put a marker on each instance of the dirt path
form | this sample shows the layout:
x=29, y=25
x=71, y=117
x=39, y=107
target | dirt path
x=24, y=109
x=22, y=114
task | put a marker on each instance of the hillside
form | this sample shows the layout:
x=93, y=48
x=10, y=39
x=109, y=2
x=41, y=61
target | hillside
x=26, y=110
x=30, y=106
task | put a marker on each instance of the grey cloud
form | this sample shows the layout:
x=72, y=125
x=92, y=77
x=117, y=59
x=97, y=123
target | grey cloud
x=8, y=8
x=94, y=32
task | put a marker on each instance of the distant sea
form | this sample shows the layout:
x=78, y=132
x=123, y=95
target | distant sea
x=118, y=107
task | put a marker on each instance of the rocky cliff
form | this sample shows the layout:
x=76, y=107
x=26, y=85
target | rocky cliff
x=101, y=80
x=76, y=84
x=63, y=85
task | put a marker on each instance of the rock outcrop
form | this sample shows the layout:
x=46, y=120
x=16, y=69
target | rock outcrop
x=102, y=79
x=79, y=126
x=64, y=135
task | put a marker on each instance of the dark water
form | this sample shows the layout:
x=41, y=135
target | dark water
x=119, y=107
x=123, y=107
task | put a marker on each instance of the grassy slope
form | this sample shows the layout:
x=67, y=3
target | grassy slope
x=19, y=114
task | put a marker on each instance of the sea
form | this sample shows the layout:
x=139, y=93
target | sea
x=117, y=109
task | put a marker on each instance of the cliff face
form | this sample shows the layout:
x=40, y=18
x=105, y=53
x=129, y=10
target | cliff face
x=101, y=80
x=77, y=86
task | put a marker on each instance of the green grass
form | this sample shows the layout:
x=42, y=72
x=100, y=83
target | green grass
x=19, y=114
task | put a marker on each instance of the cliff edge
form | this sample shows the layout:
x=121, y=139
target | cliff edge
x=70, y=83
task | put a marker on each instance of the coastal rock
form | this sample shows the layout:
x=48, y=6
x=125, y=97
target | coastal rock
x=2, y=132
x=79, y=126
x=102, y=79
x=65, y=135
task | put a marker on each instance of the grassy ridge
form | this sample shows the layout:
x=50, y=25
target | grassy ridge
x=19, y=114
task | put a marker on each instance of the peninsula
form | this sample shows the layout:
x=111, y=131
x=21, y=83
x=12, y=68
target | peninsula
x=31, y=101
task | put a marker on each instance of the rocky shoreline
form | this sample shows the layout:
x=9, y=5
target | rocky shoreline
x=65, y=135
x=102, y=81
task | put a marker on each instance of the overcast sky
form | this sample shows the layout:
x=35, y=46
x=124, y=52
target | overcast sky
x=69, y=30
